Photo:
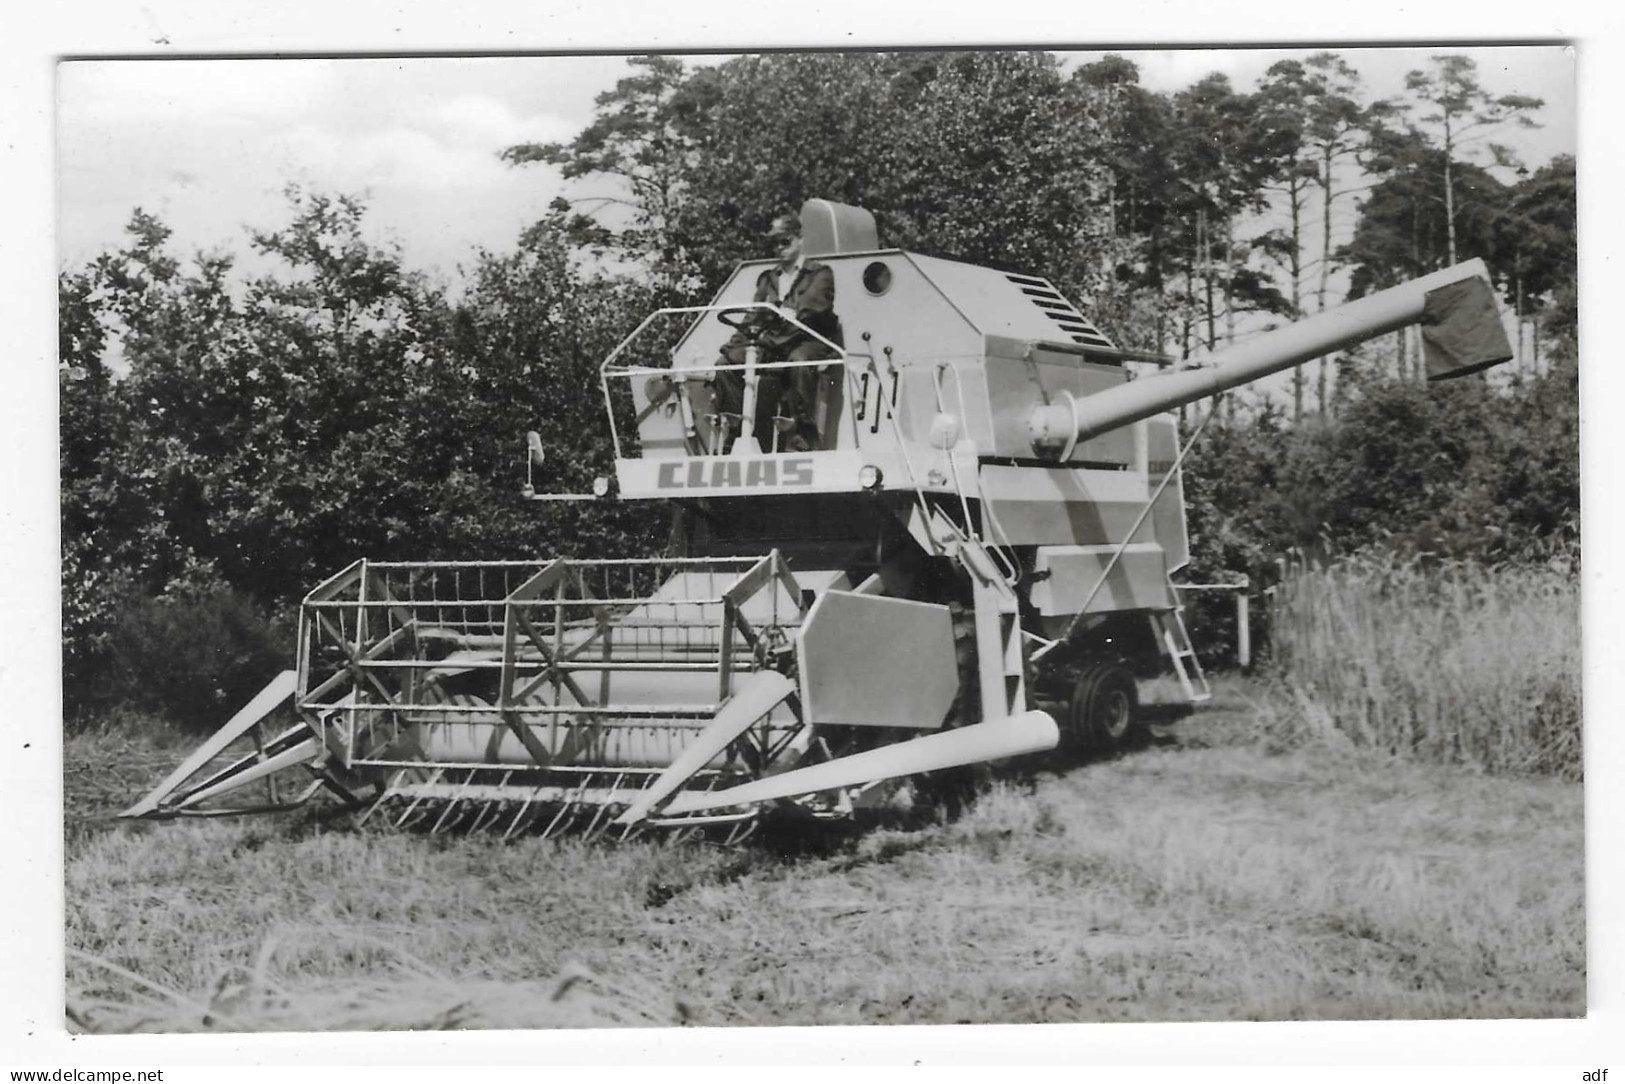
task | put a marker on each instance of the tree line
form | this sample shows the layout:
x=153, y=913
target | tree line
x=228, y=439
x=1176, y=216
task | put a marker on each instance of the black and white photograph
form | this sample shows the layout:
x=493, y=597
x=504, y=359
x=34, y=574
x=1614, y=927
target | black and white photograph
x=930, y=535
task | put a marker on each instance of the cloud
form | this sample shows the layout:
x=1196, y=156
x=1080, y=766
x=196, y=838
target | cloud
x=485, y=122
x=397, y=156
x=209, y=145
x=210, y=91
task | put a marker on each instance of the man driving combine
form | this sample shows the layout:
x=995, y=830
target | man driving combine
x=804, y=289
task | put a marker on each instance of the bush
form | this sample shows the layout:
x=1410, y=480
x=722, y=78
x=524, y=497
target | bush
x=190, y=657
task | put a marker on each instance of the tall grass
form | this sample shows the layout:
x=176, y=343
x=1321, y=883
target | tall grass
x=1457, y=664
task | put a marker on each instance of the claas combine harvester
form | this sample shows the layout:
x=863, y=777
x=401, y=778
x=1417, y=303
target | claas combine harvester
x=968, y=562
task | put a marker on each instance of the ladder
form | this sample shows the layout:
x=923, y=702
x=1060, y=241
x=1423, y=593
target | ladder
x=1168, y=626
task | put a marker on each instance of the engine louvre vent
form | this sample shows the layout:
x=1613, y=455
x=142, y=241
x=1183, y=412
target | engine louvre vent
x=1048, y=300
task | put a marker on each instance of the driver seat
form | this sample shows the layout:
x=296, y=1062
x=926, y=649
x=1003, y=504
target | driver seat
x=831, y=229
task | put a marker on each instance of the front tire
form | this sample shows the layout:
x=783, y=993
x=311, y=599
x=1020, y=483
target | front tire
x=1104, y=715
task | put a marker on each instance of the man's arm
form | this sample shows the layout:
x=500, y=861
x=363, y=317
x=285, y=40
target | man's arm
x=767, y=290
x=815, y=302
x=767, y=287
x=817, y=296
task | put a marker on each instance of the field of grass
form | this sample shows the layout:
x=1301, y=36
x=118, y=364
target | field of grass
x=1457, y=664
x=1207, y=877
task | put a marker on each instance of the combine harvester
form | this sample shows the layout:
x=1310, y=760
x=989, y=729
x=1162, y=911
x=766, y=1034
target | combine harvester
x=969, y=562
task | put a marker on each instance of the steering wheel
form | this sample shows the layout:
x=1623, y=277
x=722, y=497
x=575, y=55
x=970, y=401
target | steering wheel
x=753, y=332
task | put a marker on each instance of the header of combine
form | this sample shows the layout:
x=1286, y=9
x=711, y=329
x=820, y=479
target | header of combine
x=927, y=517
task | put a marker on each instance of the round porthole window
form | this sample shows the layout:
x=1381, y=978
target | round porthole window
x=877, y=278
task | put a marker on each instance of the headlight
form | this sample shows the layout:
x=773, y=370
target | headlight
x=870, y=478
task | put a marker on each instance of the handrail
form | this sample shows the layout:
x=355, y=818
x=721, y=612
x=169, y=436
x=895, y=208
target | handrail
x=608, y=362
x=608, y=367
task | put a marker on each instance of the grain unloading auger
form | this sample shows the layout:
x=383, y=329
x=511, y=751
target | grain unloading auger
x=964, y=558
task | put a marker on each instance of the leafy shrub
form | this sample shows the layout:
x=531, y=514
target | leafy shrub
x=1465, y=471
x=192, y=656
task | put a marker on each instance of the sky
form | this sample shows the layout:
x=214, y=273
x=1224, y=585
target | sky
x=209, y=145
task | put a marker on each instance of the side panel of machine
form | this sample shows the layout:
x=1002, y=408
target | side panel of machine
x=798, y=473
x=1168, y=517
x=912, y=328
x=1059, y=507
x=866, y=660
x=1066, y=575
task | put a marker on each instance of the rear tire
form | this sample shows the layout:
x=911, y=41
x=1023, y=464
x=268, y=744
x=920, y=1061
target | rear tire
x=1104, y=712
